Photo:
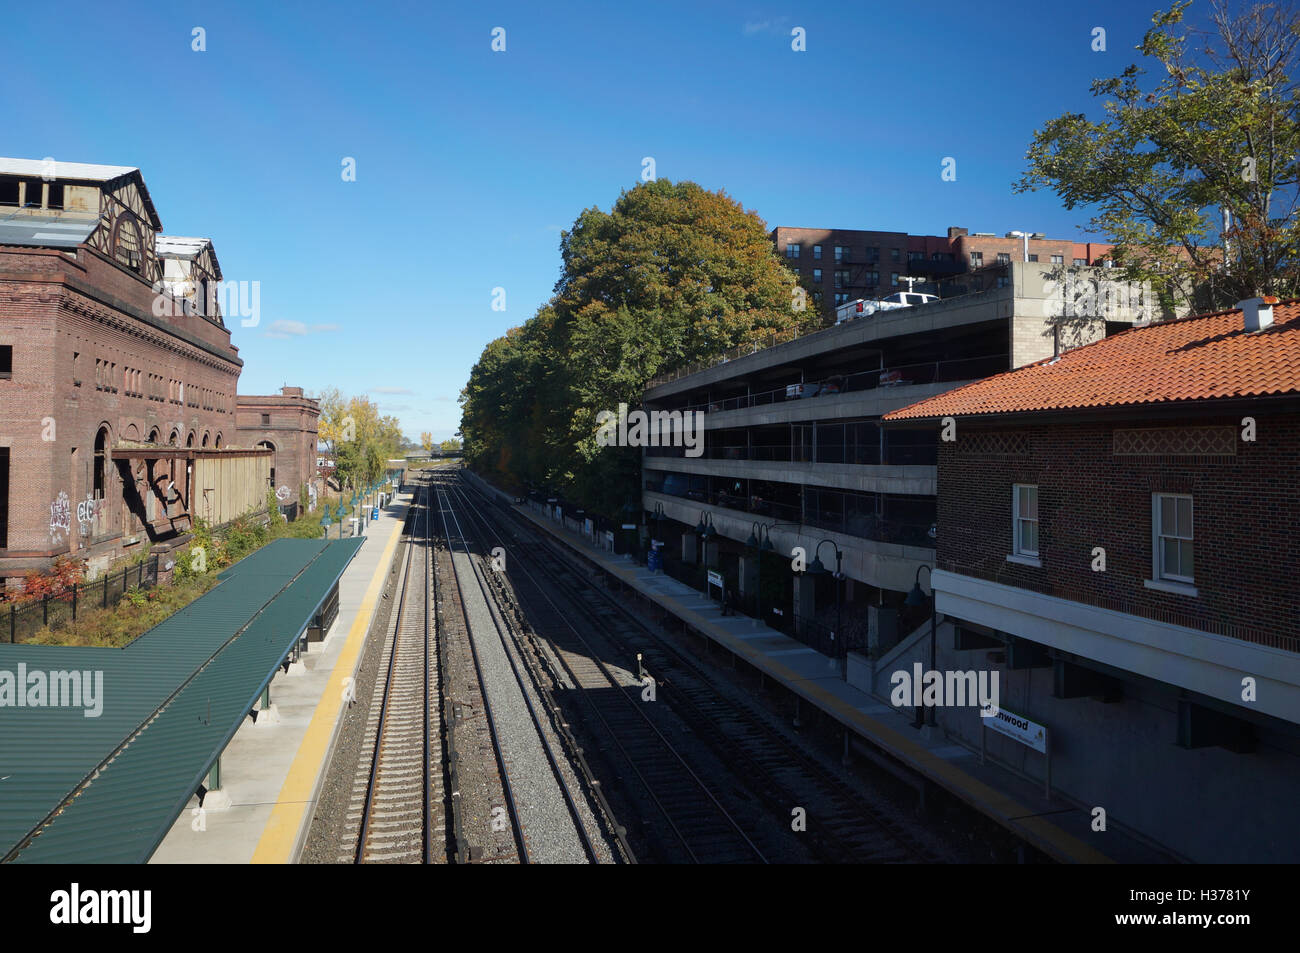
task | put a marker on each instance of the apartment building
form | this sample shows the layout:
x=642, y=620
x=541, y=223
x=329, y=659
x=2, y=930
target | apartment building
x=844, y=264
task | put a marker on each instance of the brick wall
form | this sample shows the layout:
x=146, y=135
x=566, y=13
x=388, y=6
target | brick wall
x=292, y=431
x=1246, y=518
x=91, y=309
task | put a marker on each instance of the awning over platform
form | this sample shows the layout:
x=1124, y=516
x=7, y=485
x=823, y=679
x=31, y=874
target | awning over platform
x=178, y=693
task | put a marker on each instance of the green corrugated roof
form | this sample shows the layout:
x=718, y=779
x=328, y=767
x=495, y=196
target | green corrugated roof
x=122, y=814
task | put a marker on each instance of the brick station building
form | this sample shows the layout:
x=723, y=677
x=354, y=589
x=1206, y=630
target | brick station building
x=287, y=424
x=1118, y=537
x=117, y=375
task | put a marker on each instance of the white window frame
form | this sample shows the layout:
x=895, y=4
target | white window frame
x=1170, y=582
x=1019, y=555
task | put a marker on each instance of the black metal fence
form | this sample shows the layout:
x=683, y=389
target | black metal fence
x=25, y=619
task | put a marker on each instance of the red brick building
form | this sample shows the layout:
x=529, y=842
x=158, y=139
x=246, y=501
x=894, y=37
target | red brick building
x=1121, y=525
x=116, y=378
x=286, y=423
x=847, y=264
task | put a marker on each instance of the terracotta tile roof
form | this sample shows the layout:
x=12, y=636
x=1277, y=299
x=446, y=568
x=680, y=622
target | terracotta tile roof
x=1198, y=358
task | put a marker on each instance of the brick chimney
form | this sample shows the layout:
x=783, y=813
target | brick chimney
x=955, y=232
x=291, y=391
x=1257, y=312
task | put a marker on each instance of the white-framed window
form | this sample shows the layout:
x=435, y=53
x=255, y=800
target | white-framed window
x=817, y=253
x=1172, y=540
x=1024, y=520
x=792, y=250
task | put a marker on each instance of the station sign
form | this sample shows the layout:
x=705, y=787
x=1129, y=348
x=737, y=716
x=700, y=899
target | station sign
x=1018, y=728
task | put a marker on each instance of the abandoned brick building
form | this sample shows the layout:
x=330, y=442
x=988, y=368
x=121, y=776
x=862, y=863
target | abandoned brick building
x=117, y=375
x=286, y=424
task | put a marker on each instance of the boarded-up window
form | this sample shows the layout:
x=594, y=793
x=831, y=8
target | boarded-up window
x=127, y=243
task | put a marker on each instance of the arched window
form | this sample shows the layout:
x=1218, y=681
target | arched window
x=269, y=446
x=205, y=438
x=189, y=441
x=153, y=435
x=175, y=439
x=218, y=444
x=101, y=462
x=128, y=244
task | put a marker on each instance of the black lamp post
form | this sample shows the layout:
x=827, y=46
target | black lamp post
x=705, y=531
x=760, y=540
x=818, y=569
x=658, y=517
x=918, y=598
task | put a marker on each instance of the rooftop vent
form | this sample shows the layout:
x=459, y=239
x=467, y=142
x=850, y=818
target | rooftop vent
x=1257, y=312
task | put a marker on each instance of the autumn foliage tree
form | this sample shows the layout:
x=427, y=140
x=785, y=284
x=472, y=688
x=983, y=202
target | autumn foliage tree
x=672, y=274
x=63, y=574
x=359, y=438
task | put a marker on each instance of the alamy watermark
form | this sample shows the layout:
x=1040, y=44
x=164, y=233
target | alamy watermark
x=54, y=689
x=241, y=299
x=1076, y=296
x=655, y=428
x=950, y=689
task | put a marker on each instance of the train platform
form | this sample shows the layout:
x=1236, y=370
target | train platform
x=272, y=768
x=1059, y=828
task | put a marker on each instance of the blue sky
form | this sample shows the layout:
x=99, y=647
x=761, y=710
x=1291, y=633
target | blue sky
x=469, y=161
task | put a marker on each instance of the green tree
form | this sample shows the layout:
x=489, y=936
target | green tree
x=672, y=274
x=1193, y=179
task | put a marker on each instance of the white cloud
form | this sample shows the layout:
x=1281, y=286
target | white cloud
x=295, y=329
x=765, y=26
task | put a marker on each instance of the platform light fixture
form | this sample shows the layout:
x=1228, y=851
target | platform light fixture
x=915, y=599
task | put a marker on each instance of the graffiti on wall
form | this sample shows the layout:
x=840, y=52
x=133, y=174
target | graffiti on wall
x=89, y=510
x=60, y=518
x=282, y=494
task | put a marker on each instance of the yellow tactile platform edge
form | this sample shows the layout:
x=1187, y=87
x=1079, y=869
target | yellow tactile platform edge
x=279, y=838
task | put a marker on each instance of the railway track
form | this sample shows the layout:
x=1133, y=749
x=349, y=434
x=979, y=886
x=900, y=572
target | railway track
x=843, y=826
x=397, y=813
x=542, y=783
x=694, y=824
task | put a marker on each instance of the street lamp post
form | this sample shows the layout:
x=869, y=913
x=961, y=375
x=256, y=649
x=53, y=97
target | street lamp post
x=818, y=569
x=705, y=531
x=658, y=517
x=760, y=538
x=917, y=598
